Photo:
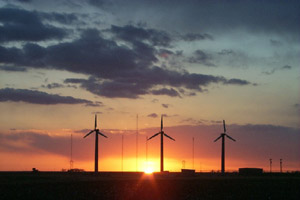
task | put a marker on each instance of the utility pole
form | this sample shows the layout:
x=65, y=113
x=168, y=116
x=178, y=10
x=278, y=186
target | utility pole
x=280, y=165
x=270, y=165
x=71, y=156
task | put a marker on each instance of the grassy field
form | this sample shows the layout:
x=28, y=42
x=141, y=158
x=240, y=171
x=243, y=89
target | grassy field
x=105, y=185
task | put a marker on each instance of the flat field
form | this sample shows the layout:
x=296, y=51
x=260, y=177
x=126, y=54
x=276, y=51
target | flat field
x=114, y=185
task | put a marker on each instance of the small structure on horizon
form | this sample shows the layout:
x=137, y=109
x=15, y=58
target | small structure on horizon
x=34, y=170
x=250, y=171
x=76, y=170
x=188, y=171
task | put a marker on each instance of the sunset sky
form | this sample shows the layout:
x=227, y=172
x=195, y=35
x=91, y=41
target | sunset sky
x=195, y=62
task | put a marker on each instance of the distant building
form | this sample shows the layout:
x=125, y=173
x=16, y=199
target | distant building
x=34, y=170
x=250, y=171
x=188, y=171
x=76, y=170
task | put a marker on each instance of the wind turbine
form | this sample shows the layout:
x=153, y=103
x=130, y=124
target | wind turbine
x=223, y=146
x=162, y=134
x=96, y=142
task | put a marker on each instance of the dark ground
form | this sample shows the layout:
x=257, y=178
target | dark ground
x=105, y=185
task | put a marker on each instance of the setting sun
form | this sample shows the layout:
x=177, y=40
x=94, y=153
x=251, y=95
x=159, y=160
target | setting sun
x=148, y=167
x=148, y=170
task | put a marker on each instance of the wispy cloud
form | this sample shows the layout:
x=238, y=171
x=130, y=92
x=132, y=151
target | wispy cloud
x=285, y=67
x=152, y=115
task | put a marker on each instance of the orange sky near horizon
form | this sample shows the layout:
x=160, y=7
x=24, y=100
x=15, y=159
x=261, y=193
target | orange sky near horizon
x=29, y=150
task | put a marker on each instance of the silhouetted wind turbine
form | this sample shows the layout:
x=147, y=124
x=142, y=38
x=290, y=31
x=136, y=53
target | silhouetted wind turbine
x=223, y=147
x=96, y=142
x=162, y=134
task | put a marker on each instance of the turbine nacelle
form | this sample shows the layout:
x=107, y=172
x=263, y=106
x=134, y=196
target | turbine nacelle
x=224, y=134
x=161, y=132
x=95, y=130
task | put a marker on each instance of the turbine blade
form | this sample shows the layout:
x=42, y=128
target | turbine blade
x=88, y=134
x=169, y=137
x=224, y=126
x=218, y=138
x=102, y=134
x=230, y=138
x=154, y=135
x=95, y=121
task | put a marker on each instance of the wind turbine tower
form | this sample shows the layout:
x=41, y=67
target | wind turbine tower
x=122, y=165
x=162, y=134
x=223, y=146
x=97, y=132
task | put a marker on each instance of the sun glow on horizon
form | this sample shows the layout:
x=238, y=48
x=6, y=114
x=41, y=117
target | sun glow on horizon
x=149, y=170
x=148, y=167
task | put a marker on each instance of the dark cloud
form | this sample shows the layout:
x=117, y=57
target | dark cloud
x=95, y=104
x=53, y=85
x=23, y=25
x=24, y=1
x=286, y=67
x=13, y=69
x=275, y=43
x=225, y=52
x=153, y=115
x=276, y=16
x=165, y=105
x=37, y=97
x=63, y=18
x=99, y=3
x=237, y=82
x=165, y=91
x=200, y=57
x=58, y=85
x=118, y=70
x=11, y=55
x=187, y=93
x=190, y=37
x=133, y=34
x=111, y=89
